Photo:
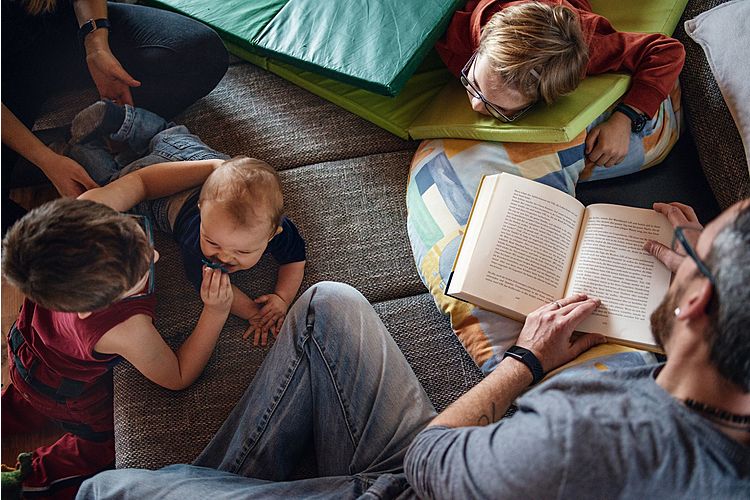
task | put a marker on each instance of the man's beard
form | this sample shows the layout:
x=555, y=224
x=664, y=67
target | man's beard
x=662, y=319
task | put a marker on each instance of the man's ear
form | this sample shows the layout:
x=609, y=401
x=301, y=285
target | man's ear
x=696, y=300
x=84, y=315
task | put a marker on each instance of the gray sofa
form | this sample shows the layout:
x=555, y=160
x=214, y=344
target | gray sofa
x=344, y=181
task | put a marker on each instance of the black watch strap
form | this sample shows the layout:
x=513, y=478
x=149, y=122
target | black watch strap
x=529, y=359
x=92, y=25
x=637, y=120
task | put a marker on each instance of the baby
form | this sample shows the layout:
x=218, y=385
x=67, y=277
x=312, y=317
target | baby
x=228, y=223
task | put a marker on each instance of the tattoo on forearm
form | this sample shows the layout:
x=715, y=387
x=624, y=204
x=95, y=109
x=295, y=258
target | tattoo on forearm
x=487, y=419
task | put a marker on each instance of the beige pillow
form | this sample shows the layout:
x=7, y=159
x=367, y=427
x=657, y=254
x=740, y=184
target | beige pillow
x=724, y=34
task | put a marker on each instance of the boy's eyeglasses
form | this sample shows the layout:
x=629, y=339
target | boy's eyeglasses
x=476, y=93
x=146, y=226
x=680, y=240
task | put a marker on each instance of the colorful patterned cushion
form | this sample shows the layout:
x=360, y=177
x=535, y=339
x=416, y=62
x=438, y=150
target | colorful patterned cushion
x=443, y=180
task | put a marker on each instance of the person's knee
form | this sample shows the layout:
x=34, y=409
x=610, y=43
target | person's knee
x=210, y=55
x=335, y=297
x=338, y=311
x=94, y=486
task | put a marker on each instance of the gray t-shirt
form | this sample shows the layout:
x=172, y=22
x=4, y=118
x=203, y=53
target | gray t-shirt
x=612, y=435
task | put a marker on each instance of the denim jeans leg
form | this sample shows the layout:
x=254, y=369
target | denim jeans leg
x=96, y=159
x=188, y=482
x=138, y=129
x=335, y=378
x=178, y=60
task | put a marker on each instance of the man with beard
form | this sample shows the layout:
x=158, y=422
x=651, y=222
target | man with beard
x=336, y=381
x=674, y=430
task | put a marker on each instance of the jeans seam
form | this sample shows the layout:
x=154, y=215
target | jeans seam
x=123, y=134
x=239, y=462
x=157, y=46
x=338, y=391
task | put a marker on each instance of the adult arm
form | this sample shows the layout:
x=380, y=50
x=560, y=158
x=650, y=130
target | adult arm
x=547, y=333
x=110, y=78
x=154, y=181
x=458, y=451
x=68, y=177
x=138, y=341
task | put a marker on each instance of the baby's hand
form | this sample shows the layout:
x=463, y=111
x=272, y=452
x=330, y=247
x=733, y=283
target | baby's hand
x=216, y=290
x=255, y=329
x=272, y=315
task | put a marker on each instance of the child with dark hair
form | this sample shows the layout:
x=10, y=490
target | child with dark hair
x=87, y=273
x=512, y=54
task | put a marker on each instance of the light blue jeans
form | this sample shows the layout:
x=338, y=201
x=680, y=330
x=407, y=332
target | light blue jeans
x=147, y=138
x=335, y=381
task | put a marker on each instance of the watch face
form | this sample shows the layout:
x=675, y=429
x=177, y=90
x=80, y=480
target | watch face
x=639, y=124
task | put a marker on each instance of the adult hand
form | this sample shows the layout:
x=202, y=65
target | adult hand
x=678, y=214
x=548, y=331
x=67, y=175
x=216, y=290
x=111, y=79
x=607, y=143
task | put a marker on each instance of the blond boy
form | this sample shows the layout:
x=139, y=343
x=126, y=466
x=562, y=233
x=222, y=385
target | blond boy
x=512, y=54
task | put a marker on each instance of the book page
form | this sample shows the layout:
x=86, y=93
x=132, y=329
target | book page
x=524, y=248
x=611, y=264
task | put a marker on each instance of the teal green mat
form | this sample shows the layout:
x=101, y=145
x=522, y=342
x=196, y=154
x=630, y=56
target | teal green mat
x=370, y=44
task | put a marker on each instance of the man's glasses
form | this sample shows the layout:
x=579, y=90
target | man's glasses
x=493, y=110
x=681, y=245
x=146, y=226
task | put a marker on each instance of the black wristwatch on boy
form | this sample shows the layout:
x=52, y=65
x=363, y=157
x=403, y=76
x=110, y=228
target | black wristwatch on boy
x=529, y=359
x=637, y=120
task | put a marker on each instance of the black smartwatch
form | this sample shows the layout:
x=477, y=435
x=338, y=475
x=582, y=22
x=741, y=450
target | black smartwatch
x=526, y=357
x=92, y=25
x=637, y=120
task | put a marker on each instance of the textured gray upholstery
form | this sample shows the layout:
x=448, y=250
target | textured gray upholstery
x=345, y=186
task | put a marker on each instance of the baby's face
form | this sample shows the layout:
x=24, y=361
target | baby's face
x=223, y=241
x=507, y=99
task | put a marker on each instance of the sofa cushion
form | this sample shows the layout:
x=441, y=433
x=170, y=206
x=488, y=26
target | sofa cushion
x=351, y=212
x=709, y=121
x=723, y=33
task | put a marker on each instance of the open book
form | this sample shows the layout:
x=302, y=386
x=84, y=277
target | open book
x=527, y=244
